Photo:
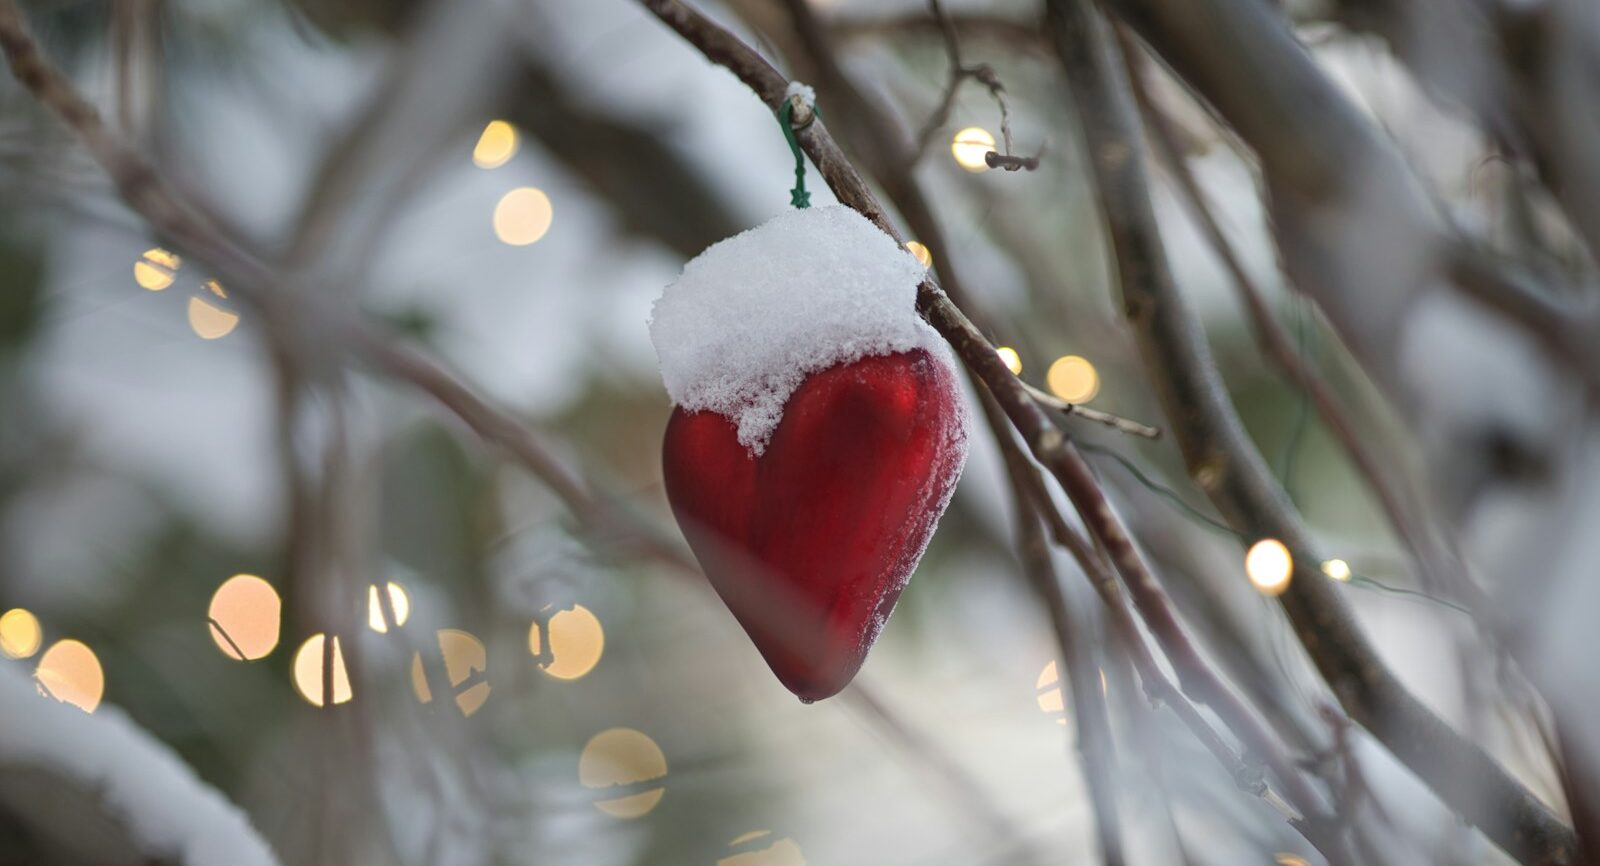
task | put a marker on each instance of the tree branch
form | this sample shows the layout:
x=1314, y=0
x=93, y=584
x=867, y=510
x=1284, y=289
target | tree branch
x=191, y=232
x=1048, y=444
x=1429, y=558
x=1221, y=456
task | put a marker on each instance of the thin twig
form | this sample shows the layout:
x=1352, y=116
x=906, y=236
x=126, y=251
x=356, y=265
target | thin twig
x=1219, y=452
x=1049, y=444
x=1158, y=688
x=959, y=72
x=1096, y=748
x=1115, y=422
x=192, y=233
x=1429, y=558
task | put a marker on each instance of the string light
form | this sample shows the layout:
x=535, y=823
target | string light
x=20, y=634
x=1050, y=698
x=760, y=849
x=576, y=642
x=971, y=147
x=1073, y=379
x=921, y=251
x=496, y=145
x=209, y=321
x=244, y=617
x=623, y=756
x=1012, y=360
x=466, y=668
x=156, y=269
x=522, y=216
x=70, y=672
x=308, y=664
x=1337, y=569
x=378, y=619
x=1269, y=566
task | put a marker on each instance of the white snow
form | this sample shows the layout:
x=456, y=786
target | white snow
x=141, y=783
x=751, y=316
x=806, y=92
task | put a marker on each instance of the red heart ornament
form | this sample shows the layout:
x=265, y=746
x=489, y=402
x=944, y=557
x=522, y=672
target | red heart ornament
x=811, y=542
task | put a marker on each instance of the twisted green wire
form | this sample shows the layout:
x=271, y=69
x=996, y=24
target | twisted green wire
x=798, y=197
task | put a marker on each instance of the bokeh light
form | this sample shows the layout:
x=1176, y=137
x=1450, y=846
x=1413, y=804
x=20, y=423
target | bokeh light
x=624, y=757
x=522, y=216
x=1050, y=698
x=466, y=669
x=20, y=633
x=921, y=251
x=1073, y=379
x=70, y=672
x=1269, y=566
x=496, y=145
x=308, y=663
x=758, y=848
x=1337, y=569
x=379, y=616
x=971, y=146
x=245, y=616
x=575, y=643
x=209, y=321
x=1012, y=360
x=156, y=269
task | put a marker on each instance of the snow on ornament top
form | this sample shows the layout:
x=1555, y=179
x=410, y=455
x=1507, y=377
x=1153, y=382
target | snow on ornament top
x=753, y=315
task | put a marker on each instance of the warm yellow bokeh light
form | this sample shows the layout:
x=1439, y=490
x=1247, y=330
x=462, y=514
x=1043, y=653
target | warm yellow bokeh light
x=215, y=288
x=1337, y=569
x=522, y=216
x=920, y=250
x=70, y=672
x=20, y=634
x=1050, y=698
x=623, y=756
x=576, y=642
x=496, y=145
x=1291, y=860
x=308, y=661
x=378, y=616
x=761, y=850
x=209, y=321
x=1073, y=379
x=466, y=668
x=1269, y=566
x=156, y=269
x=1012, y=360
x=970, y=146
x=245, y=614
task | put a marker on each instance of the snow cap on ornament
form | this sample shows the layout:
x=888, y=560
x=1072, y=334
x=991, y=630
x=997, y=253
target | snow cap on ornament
x=817, y=437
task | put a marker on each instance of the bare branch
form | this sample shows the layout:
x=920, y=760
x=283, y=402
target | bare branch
x=1048, y=443
x=1115, y=422
x=1430, y=560
x=985, y=75
x=192, y=233
x=1220, y=454
x=1029, y=488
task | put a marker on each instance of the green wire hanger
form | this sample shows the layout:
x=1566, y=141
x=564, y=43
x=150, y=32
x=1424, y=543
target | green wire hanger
x=798, y=197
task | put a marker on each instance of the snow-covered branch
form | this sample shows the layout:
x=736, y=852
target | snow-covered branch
x=106, y=765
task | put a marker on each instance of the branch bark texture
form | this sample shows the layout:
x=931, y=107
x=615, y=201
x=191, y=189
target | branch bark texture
x=1218, y=452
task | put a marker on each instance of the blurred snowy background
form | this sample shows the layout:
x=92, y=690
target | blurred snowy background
x=388, y=149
